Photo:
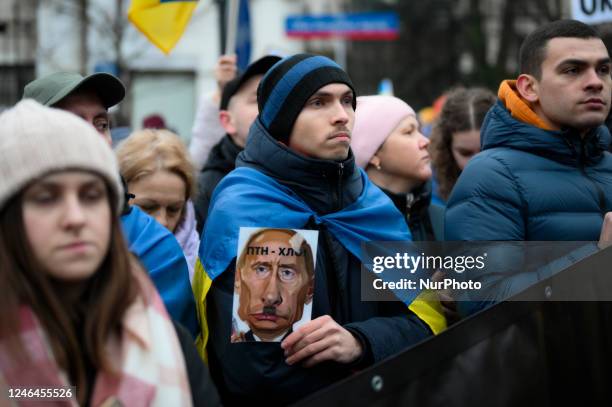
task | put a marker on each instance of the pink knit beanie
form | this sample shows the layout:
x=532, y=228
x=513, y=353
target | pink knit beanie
x=375, y=118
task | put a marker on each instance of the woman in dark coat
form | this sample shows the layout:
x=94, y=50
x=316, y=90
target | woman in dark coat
x=389, y=146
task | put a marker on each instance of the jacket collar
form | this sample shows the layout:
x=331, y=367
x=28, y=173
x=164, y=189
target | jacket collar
x=223, y=155
x=518, y=107
x=512, y=123
x=314, y=180
x=414, y=204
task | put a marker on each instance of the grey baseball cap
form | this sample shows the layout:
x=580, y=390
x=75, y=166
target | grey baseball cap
x=52, y=88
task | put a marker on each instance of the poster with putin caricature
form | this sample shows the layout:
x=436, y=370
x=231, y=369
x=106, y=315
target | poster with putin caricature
x=274, y=283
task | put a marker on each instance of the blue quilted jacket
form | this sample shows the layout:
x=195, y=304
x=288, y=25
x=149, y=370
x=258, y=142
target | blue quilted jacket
x=530, y=184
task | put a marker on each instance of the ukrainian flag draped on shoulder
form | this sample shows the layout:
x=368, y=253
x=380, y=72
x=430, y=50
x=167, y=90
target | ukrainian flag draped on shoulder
x=163, y=258
x=162, y=21
x=249, y=198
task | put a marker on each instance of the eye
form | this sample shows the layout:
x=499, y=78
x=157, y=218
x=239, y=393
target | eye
x=42, y=197
x=93, y=194
x=317, y=102
x=101, y=124
x=287, y=274
x=148, y=208
x=261, y=270
x=604, y=69
x=570, y=70
x=348, y=100
x=174, y=210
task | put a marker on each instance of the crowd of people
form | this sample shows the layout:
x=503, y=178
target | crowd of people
x=230, y=271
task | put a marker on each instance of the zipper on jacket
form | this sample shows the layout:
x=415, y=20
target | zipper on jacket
x=600, y=193
x=339, y=186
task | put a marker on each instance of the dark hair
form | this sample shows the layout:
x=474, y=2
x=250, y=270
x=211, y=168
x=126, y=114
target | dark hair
x=464, y=109
x=108, y=295
x=533, y=49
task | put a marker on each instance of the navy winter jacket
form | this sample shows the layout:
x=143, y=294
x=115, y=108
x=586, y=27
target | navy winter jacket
x=531, y=184
x=256, y=372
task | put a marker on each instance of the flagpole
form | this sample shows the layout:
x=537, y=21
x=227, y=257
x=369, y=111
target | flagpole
x=232, y=27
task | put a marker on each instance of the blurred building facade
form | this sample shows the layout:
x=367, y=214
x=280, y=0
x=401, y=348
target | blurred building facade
x=17, y=48
x=442, y=43
x=102, y=39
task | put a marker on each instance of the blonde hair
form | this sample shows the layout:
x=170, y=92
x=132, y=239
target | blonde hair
x=147, y=151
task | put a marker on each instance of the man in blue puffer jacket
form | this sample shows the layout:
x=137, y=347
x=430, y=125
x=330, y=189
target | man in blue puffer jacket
x=544, y=173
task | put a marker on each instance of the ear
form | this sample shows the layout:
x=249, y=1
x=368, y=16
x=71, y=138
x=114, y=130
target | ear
x=375, y=161
x=225, y=117
x=309, y=293
x=528, y=88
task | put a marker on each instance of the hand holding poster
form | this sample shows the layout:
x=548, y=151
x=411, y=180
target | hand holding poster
x=274, y=283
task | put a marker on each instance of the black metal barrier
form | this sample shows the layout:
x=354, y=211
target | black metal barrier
x=532, y=353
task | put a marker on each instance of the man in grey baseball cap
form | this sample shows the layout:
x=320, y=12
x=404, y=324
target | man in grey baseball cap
x=89, y=97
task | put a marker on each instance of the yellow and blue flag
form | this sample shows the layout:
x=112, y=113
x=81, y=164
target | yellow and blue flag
x=372, y=217
x=162, y=21
x=243, y=36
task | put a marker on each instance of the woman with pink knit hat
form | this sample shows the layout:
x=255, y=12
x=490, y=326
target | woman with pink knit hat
x=389, y=146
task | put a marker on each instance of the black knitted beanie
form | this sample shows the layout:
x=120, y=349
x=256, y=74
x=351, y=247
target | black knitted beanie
x=287, y=86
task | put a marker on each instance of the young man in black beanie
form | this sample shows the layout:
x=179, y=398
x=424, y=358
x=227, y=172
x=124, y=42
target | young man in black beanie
x=297, y=171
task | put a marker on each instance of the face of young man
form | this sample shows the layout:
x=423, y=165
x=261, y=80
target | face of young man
x=87, y=105
x=323, y=128
x=241, y=111
x=575, y=85
x=273, y=285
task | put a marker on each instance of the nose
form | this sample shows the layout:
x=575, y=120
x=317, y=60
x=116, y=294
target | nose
x=340, y=114
x=271, y=294
x=74, y=213
x=423, y=141
x=595, y=81
x=162, y=218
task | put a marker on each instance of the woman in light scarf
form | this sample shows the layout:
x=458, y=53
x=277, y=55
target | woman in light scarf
x=81, y=319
